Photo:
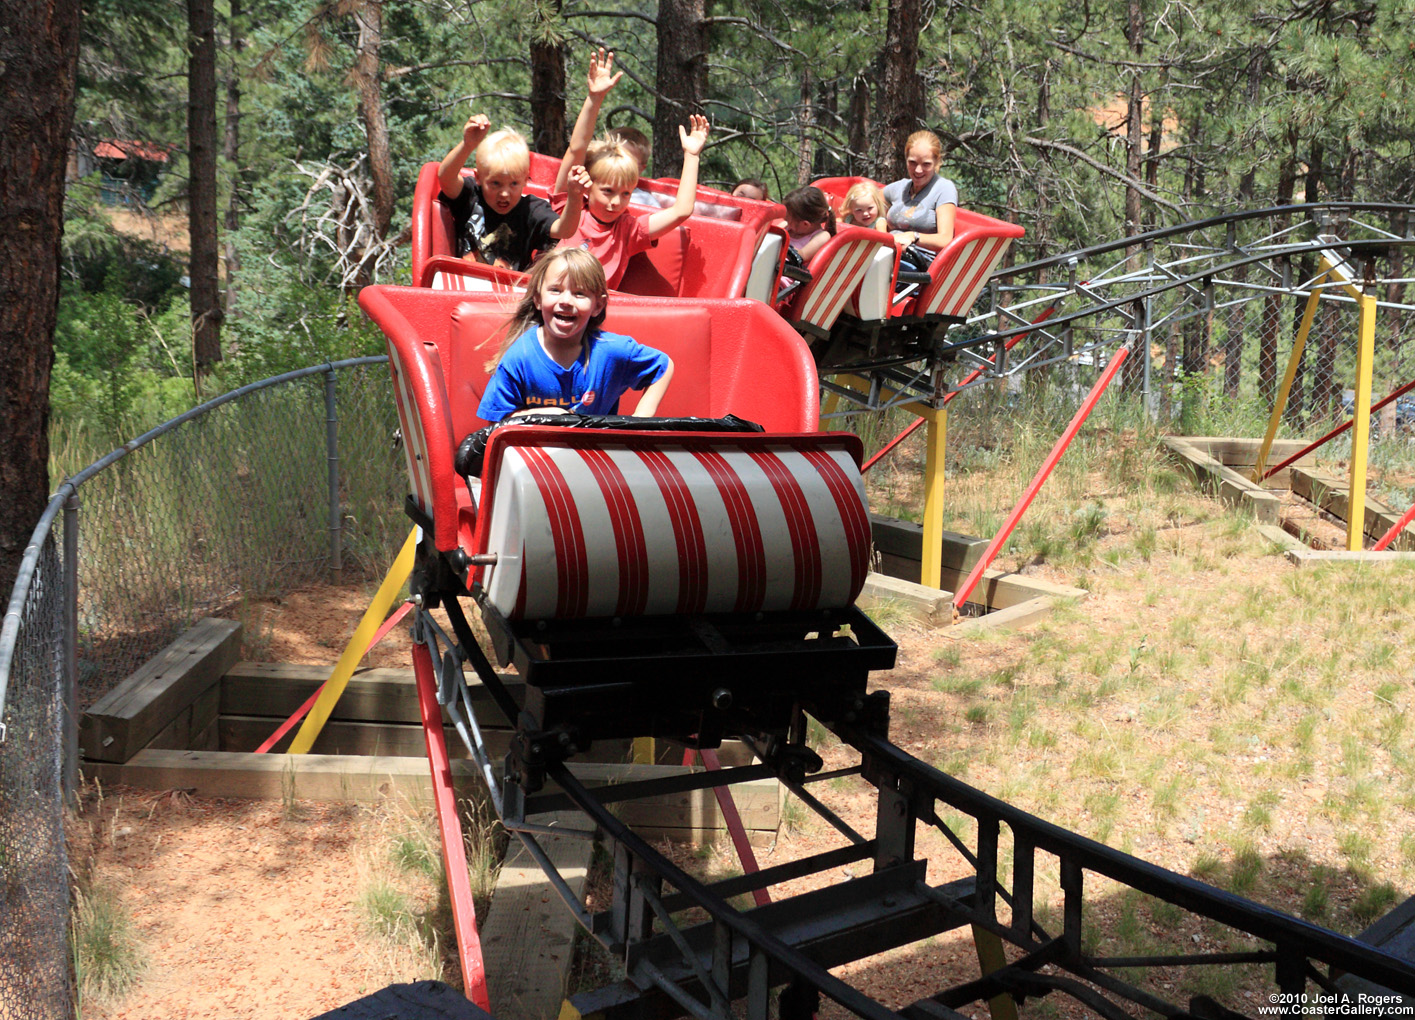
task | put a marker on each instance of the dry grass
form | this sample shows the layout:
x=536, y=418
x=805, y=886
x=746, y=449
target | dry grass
x=1209, y=707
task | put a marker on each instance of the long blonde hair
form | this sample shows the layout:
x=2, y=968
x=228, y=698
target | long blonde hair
x=582, y=268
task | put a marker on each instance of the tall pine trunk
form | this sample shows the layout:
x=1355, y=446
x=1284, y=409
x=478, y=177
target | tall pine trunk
x=369, y=17
x=231, y=152
x=682, y=78
x=805, y=119
x=857, y=162
x=548, y=86
x=39, y=47
x=1272, y=304
x=901, y=93
x=207, y=312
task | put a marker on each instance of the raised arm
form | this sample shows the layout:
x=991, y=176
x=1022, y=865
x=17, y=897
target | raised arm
x=599, y=81
x=664, y=220
x=449, y=171
x=569, y=220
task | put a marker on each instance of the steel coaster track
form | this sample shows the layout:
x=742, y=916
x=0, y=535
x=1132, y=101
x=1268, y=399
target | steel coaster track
x=674, y=967
x=1103, y=294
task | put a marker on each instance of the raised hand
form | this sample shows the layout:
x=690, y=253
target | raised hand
x=579, y=181
x=694, y=140
x=476, y=128
x=602, y=77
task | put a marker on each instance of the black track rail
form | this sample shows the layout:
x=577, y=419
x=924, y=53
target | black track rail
x=676, y=966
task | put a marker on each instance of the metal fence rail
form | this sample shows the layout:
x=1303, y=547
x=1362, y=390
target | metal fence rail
x=1214, y=305
x=280, y=483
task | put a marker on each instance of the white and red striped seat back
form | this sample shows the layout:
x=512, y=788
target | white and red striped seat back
x=443, y=280
x=415, y=438
x=875, y=296
x=766, y=268
x=588, y=523
x=836, y=273
x=958, y=285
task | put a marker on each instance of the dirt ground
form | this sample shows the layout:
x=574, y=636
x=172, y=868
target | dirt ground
x=246, y=910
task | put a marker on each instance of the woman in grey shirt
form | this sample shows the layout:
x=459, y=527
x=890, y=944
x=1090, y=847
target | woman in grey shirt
x=922, y=206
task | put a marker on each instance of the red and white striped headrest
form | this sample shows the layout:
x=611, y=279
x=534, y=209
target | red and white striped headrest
x=679, y=523
x=835, y=280
x=966, y=277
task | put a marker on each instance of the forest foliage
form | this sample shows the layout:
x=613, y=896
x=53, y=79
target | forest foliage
x=1083, y=121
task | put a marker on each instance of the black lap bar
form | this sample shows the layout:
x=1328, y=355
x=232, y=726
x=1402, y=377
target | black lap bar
x=470, y=452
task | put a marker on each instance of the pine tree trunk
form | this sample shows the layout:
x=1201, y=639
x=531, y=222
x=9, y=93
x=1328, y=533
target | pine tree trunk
x=682, y=78
x=901, y=100
x=805, y=119
x=204, y=262
x=1152, y=154
x=1134, y=132
x=859, y=127
x=369, y=17
x=39, y=45
x=548, y=134
x=231, y=152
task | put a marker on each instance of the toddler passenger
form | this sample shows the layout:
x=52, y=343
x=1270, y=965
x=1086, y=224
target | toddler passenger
x=810, y=223
x=492, y=220
x=864, y=206
x=555, y=357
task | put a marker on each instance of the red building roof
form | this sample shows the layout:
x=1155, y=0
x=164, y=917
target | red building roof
x=116, y=148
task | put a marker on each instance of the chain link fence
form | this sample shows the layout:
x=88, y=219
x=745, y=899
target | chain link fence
x=1211, y=313
x=34, y=957
x=235, y=505
x=280, y=484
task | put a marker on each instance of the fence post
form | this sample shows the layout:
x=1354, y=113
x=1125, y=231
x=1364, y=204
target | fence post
x=1147, y=400
x=336, y=516
x=69, y=644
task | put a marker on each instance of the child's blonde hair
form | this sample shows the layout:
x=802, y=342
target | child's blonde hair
x=504, y=151
x=634, y=140
x=582, y=268
x=867, y=190
x=610, y=162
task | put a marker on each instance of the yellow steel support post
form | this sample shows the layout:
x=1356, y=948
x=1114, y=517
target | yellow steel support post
x=1361, y=424
x=931, y=565
x=354, y=650
x=990, y=958
x=832, y=401
x=1280, y=404
x=644, y=751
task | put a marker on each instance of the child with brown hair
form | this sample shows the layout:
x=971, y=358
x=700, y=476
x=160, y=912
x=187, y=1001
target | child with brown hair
x=810, y=222
x=554, y=356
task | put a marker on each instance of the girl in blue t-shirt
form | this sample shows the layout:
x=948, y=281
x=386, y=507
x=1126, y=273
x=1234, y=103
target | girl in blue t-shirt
x=555, y=357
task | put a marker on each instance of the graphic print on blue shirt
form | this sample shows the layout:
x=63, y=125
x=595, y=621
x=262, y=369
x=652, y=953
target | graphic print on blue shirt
x=528, y=377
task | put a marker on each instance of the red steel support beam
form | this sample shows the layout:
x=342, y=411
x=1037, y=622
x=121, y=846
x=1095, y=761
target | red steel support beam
x=454, y=850
x=745, y=854
x=913, y=425
x=303, y=710
x=1396, y=395
x=1048, y=465
x=1389, y=536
